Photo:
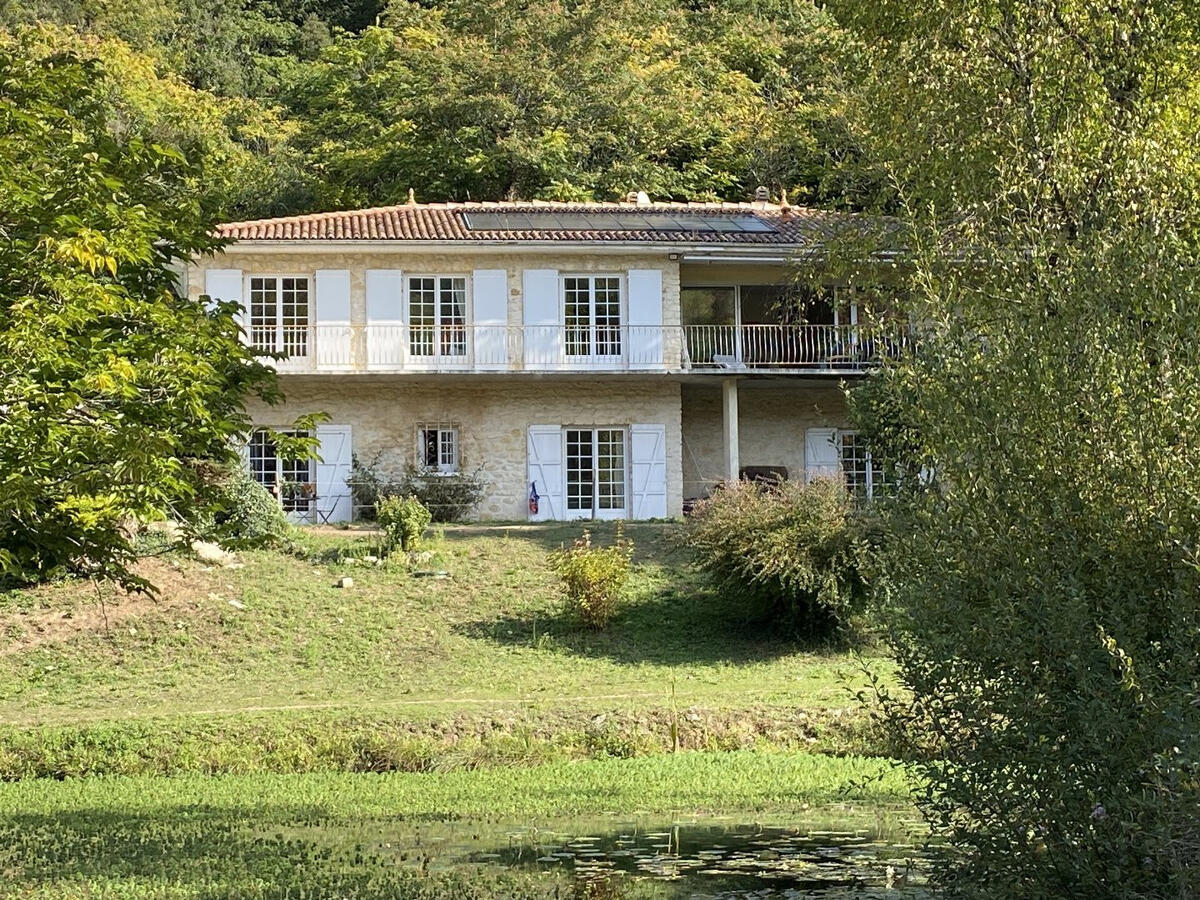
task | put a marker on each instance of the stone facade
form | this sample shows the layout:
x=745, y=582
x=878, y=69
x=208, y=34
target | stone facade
x=492, y=416
x=493, y=412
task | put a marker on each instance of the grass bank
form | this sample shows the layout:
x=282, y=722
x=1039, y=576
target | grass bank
x=270, y=666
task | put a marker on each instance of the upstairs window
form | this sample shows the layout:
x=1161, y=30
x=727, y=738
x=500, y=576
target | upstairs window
x=437, y=448
x=592, y=315
x=863, y=477
x=437, y=315
x=279, y=314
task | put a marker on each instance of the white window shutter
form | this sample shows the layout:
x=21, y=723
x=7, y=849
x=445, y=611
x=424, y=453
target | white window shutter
x=821, y=456
x=385, y=318
x=224, y=284
x=645, y=318
x=648, y=455
x=331, y=336
x=543, y=319
x=546, y=472
x=334, y=501
x=490, y=302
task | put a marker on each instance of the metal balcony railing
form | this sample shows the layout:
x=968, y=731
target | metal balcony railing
x=401, y=348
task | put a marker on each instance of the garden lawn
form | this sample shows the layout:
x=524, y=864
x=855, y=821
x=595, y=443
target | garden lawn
x=277, y=634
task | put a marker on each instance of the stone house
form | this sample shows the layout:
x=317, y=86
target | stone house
x=611, y=360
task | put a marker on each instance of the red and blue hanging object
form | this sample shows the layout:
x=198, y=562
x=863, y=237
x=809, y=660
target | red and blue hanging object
x=533, y=498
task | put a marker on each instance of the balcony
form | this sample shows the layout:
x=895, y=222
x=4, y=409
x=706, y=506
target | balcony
x=396, y=349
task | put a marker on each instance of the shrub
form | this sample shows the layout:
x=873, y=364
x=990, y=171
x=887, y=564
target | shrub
x=795, y=550
x=450, y=497
x=368, y=485
x=594, y=578
x=404, y=520
x=246, y=515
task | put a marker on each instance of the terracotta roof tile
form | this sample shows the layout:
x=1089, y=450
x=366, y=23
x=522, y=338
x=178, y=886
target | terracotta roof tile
x=786, y=225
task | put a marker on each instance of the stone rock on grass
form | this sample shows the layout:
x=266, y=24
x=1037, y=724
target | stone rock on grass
x=212, y=554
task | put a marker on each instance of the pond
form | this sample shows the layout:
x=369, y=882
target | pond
x=717, y=858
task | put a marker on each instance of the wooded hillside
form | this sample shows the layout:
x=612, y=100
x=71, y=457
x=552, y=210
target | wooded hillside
x=297, y=105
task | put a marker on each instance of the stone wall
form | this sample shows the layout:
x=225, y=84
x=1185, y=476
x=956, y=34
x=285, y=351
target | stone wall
x=492, y=415
x=772, y=420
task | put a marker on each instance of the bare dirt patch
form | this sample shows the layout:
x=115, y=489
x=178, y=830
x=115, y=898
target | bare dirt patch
x=57, y=613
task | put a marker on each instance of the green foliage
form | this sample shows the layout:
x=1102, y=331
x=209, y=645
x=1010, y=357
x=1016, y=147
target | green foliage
x=111, y=385
x=594, y=579
x=449, y=497
x=302, y=106
x=244, y=513
x=796, y=551
x=367, y=485
x=403, y=520
x=1044, y=593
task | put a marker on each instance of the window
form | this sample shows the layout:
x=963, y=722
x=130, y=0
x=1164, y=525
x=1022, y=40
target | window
x=596, y=471
x=437, y=448
x=592, y=315
x=279, y=314
x=437, y=310
x=863, y=477
x=291, y=480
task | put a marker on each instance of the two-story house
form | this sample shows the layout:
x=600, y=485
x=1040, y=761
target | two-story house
x=614, y=360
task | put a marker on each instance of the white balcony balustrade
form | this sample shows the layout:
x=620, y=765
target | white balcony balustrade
x=401, y=348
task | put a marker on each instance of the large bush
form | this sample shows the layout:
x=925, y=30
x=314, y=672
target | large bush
x=793, y=551
x=449, y=496
x=245, y=513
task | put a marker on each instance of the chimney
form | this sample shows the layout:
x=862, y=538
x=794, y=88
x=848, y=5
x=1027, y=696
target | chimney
x=412, y=198
x=643, y=199
x=631, y=197
x=762, y=195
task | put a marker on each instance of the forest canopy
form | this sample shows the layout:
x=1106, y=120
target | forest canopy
x=290, y=107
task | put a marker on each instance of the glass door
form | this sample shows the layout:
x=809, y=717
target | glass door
x=595, y=472
x=592, y=316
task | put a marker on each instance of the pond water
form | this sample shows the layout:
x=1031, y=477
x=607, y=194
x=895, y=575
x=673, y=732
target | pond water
x=608, y=858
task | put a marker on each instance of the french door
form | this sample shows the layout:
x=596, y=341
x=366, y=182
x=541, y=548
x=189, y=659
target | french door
x=592, y=315
x=595, y=473
x=279, y=314
x=437, y=315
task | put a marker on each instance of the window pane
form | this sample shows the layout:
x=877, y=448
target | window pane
x=453, y=313
x=448, y=450
x=264, y=466
x=577, y=316
x=607, y=313
x=422, y=313
x=610, y=469
x=264, y=313
x=580, y=488
x=855, y=463
x=294, y=316
x=427, y=445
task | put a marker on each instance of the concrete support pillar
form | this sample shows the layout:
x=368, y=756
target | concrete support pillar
x=729, y=417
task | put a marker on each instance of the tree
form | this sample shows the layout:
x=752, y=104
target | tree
x=1044, y=567
x=114, y=390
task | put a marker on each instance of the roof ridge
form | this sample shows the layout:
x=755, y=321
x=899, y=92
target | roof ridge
x=468, y=205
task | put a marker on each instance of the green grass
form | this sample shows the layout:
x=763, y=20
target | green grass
x=668, y=784
x=490, y=636
x=340, y=835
